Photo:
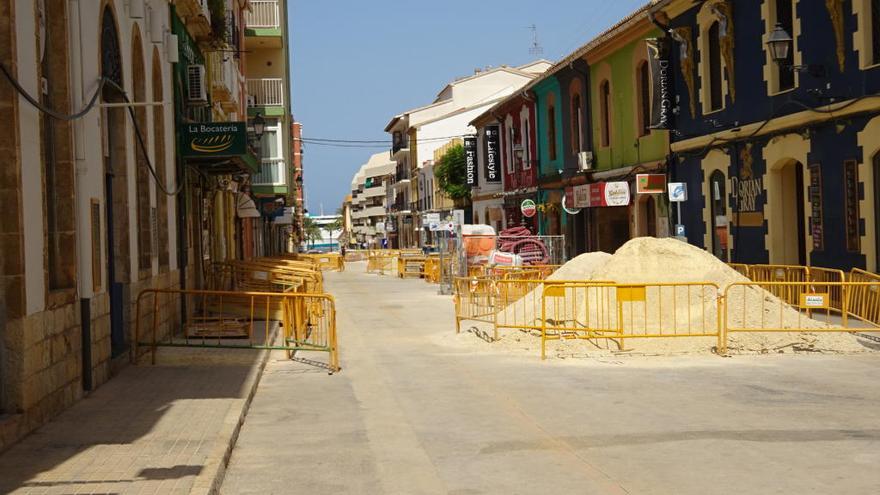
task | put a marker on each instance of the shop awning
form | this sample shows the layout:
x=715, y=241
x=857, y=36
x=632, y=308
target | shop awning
x=245, y=207
x=218, y=147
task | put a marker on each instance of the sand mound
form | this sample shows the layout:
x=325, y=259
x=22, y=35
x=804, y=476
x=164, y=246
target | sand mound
x=682, y=310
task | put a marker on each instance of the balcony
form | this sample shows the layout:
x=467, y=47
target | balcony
x=266, y=92
x=197, y=17
x=225, y=80
x=273, y=172
x=372, y=192
x=264, y=19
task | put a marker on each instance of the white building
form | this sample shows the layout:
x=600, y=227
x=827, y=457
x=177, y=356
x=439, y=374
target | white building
x=419, y=132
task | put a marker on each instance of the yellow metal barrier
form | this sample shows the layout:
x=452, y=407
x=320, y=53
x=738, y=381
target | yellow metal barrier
x=431, y=269
x=751, y=307
x=307, y=323
x=381, y=263
x=864, y=297
x=630, y=311
x=410, y=265
x=741, y=268
x=781, y=273
x=474, y=300
x=326, y=261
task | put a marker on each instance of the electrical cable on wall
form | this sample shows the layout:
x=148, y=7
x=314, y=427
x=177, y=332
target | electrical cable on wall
x=82, y=113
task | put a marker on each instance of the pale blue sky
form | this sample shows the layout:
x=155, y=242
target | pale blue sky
x=357, y=63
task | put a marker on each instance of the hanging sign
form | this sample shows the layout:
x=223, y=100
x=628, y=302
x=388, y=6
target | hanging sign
x=528, y=208
x=661, y=83
x=470, y=157
x=600, y=194
x=493, y=154
x=204, y=139
x=650, y=183
x=568, y=202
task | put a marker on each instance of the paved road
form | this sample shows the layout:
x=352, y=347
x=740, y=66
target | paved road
x=408, y=415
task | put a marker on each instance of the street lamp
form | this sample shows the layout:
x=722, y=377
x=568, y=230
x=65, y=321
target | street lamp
x=779, y=43
x=259, y=126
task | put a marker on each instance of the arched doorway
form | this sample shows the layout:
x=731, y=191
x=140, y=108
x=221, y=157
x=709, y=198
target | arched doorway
x=115, y=182
x=647, y=216
x=790, y=217
x=718, y=214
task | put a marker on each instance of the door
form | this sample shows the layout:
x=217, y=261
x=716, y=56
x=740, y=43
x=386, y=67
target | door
x=793, y=214
x=877, y=212
x=718, y=214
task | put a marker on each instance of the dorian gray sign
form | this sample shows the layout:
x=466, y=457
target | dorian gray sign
x=470, y=158
x=661, y=83
x=493, y=154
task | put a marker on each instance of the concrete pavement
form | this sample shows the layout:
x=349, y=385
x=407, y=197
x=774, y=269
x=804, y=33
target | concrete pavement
x=410, y=415
x=163, y=429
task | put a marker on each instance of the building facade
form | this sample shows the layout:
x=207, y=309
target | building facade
x=779, y=150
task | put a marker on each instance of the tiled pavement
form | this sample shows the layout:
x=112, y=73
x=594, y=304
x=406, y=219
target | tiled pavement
x=150, y=430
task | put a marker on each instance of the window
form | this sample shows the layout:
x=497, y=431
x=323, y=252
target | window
x=785, y=17
x=269, y=143
x=551, y=131
x=511, y=136
x=577, y=134
x=716, y=97
x=605, y=112
x=644, y=96
x=527, y=160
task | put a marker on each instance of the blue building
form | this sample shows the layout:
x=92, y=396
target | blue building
x=777, y=132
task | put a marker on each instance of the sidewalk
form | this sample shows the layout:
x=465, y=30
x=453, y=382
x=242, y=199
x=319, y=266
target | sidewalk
x=152, y=429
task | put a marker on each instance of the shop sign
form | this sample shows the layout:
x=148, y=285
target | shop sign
x=206, y=139
x=650, y=183
x=470, y=157
x=568, y=202
x=817, y=229
x=600, y=194
x=493, y=154
x=851, y=205
x=616, y=193
x=528, y=208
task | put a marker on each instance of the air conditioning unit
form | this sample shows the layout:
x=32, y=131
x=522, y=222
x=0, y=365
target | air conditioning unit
x=196, y=91
x=251, y=100
x=585, y=160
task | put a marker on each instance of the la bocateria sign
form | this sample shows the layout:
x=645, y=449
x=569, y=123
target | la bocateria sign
x=599, y=194
x=206, y=139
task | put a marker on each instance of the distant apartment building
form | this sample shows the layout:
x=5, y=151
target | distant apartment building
x=368, y=200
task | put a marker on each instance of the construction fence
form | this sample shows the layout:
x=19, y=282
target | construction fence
x=806, y=300
x=272, y=303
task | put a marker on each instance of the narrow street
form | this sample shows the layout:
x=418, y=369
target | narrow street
x=408, y=414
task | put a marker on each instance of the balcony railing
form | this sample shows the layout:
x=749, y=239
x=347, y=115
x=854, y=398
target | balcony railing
x=272, y=173
x=264, y=14
x=265, y=92
x=225, y=76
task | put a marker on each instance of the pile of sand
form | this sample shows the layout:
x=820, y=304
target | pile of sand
x=667, y=310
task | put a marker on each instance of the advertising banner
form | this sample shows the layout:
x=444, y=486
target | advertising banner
x=493, y=154
x=470, y=157
x=662, y=100
x=650, y=183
